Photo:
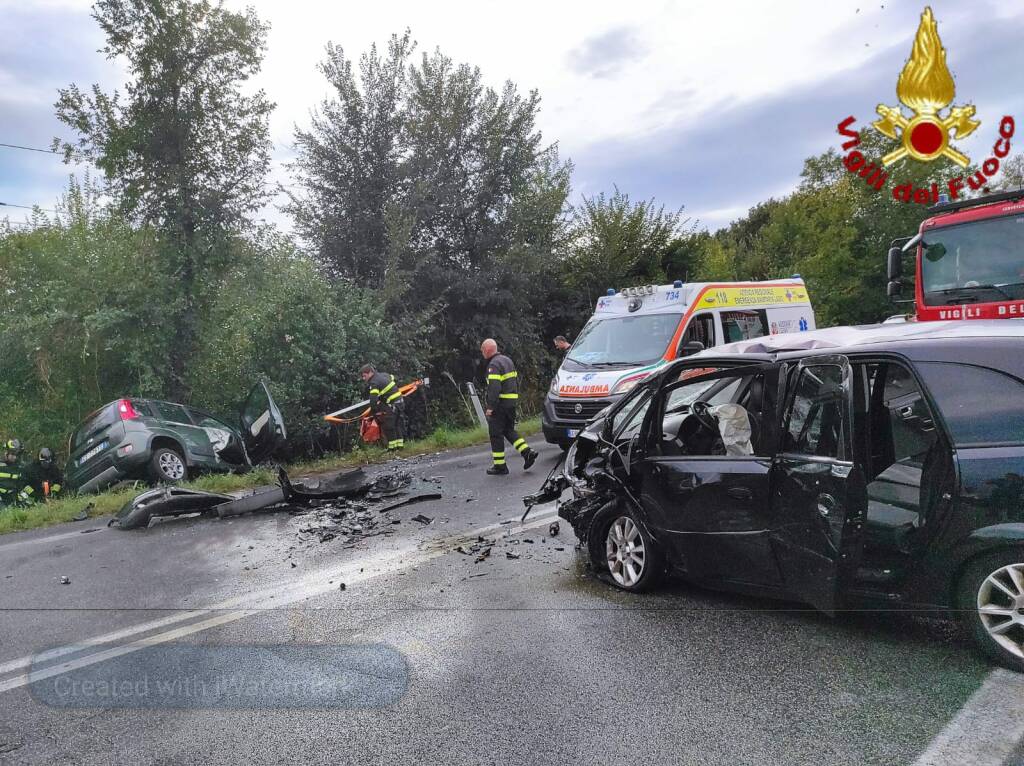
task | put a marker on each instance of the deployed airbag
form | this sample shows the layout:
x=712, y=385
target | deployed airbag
x=734, y=428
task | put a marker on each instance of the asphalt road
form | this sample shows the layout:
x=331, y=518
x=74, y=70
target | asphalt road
x=208, y=641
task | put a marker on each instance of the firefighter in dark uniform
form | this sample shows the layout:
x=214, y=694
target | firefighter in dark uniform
x=385, y=404
x=14, y=489
x=502, y=398
x=44, y=476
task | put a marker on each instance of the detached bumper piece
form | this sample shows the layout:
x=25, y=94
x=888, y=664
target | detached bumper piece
x=165, y=501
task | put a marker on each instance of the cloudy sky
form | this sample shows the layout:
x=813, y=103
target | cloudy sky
x=707, y=105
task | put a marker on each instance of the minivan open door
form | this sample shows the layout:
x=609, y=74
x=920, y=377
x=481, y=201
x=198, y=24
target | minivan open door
x=819, y=496
x=261, y=424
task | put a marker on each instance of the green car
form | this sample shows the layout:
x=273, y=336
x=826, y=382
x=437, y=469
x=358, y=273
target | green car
x=165, y=443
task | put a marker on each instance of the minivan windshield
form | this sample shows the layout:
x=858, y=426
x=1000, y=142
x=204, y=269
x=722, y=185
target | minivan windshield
x=975, y=262
x=628, y=340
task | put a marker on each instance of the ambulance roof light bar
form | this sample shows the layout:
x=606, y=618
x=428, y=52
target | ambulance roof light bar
x=641, y=290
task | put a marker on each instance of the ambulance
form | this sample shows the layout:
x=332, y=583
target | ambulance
x=635, y=331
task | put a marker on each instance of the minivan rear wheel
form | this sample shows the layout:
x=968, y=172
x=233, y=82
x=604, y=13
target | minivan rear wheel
x=167, y=466
x=991, y=601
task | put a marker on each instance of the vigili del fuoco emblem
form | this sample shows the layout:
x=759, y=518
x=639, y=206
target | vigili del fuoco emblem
x=925, y=86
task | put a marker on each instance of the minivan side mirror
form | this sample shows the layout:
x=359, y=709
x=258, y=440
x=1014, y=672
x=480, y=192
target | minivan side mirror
x=691, y=347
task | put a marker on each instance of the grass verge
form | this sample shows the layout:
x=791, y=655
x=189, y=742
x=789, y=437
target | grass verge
x=59, y=511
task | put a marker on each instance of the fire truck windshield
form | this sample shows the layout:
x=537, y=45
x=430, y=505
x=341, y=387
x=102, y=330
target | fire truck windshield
x=977, y=262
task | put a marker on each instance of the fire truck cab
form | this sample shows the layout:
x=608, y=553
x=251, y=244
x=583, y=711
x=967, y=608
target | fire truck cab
x=969, y=260
x=636, y=331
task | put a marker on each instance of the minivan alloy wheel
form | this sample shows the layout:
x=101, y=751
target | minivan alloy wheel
x=1001, y=607
x=172, y=466
x=625, y=551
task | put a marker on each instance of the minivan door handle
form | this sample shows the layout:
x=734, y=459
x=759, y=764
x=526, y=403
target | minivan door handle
x=826, y=504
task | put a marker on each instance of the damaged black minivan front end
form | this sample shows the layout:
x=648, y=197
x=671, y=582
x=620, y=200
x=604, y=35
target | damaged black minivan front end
x=595, y=470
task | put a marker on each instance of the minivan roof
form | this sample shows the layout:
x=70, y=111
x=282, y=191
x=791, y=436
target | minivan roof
x=952, y=341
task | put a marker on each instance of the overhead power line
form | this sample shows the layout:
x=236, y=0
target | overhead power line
x=29, y=148
x=26, y=207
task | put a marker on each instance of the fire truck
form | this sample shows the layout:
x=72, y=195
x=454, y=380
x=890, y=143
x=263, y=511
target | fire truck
x=969, y=260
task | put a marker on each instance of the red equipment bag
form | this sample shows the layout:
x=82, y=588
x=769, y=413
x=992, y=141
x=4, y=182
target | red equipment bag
x=369, y=430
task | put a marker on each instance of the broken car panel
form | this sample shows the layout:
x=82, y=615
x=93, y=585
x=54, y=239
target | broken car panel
x=164, y=442
x=877, y=466
x=165, y=501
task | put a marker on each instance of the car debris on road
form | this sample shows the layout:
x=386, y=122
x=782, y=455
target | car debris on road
x=339, y=506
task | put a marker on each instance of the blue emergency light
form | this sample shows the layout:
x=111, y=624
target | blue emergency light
x=677, y=283
x=611, y=291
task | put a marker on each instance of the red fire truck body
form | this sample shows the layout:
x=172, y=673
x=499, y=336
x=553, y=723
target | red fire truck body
x=969, y=260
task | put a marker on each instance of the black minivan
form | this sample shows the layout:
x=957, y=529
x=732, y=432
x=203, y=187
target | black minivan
x=878, y=466
x=164, y=442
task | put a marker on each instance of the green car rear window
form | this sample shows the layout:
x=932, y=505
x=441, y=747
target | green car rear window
x=94, y=423
x=980, y=405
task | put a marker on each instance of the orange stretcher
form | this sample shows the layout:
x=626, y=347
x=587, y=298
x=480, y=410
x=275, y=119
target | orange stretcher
x=361, y=410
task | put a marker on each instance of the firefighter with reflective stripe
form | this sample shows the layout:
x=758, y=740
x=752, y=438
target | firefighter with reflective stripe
x=385, y=404
x=14, y=489
x=44, y=476
x=502, y=398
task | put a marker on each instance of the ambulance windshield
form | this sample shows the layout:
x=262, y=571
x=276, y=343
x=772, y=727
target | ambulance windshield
x=628, y=340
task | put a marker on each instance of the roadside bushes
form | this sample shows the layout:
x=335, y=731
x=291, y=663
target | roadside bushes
x=279, y=318
x=85, y=317
x=82, y=320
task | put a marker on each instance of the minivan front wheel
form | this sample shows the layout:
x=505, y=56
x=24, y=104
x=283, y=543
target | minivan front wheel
x=631, y=555
x=991, y=600
x=167, y=466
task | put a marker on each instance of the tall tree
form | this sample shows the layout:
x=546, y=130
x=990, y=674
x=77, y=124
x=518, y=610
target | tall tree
x=617, y=242
x=185, y=150
x=347, y=166
x=418, y=180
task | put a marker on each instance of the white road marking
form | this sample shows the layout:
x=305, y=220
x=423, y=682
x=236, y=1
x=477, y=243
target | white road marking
x=4, y=547
x=987, y=728
x=316, y=584
x=117, y=635
x=117, y=651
